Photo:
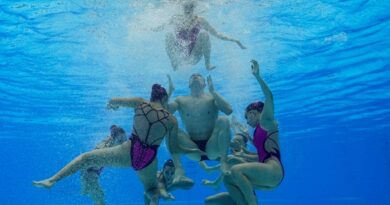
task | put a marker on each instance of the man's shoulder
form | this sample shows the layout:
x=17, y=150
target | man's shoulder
x=181, y=98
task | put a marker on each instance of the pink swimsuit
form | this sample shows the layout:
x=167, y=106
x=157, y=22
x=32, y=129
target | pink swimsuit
x=259, y=138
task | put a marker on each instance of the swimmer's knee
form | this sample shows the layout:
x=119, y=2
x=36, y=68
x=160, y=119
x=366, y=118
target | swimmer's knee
x=169, y=36
x=223, y=121
x=209, y=201
x=204, y=35
x=234, y=172
x=86, y=158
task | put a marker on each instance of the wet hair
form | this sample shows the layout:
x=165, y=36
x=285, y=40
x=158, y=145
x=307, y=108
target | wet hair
x=117, y=130
x=168, y=163
x=198, y=74
x=158, y=93
x=255, y=106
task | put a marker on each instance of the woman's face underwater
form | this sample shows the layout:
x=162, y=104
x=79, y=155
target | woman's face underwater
x=252, y=117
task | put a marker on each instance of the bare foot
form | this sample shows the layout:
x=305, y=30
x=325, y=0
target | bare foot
x=210, y=183
x=166, y=196
x=44, y=183
x=210, y=67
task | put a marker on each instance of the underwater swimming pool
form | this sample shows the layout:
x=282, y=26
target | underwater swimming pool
x=327, y=63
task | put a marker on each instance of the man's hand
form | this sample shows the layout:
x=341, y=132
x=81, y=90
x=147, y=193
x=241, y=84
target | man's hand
x=210, y=84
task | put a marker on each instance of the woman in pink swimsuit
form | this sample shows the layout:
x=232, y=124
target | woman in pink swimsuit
x=151, y=124
x=267, y=171
x=188, y=43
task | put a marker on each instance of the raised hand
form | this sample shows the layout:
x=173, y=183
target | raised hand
x=171, y=87
x=210, y=84
x=255, y=68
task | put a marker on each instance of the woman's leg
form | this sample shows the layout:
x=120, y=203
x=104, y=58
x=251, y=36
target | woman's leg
x=118, y=156
x=250, y=176
x=97, y=195
x=171, y=48
x=90, y=186
x=149, y=180
x=220, y=199
x=233, y=190
x=202, y=48
x=183, y=145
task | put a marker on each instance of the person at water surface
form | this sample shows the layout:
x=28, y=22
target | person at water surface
x=267, y=171
x=151, y=123
x=206, y=134
x=190, y=40
x=89, y=177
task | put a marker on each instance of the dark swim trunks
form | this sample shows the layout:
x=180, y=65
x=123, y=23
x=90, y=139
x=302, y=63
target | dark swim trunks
x=202, y=146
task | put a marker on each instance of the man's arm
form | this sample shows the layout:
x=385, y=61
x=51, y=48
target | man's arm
x=221, y=103
x=171, y=87
x=174, y=106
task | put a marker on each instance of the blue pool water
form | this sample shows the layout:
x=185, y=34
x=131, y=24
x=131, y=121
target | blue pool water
x=327, y=63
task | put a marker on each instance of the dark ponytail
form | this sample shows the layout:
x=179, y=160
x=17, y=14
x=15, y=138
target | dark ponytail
x=255, y=106
x=158, y=93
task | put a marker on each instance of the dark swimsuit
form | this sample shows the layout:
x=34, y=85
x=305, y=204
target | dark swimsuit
x=143, y=153
x=189, y=37
x=202, y=146
x=260, y=137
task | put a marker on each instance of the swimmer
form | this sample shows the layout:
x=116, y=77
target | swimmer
x=267, y=173
x=89, y=177
x=165, y=180
x=237, y=145
x=190, y=40
x=152, y=122
x=207, y=134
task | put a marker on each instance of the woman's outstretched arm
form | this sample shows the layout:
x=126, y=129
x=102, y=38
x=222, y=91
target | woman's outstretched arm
x=115, y=103
x=267, y=119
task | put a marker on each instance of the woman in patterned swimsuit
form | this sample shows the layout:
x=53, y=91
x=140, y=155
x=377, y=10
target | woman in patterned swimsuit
x=151, y=124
